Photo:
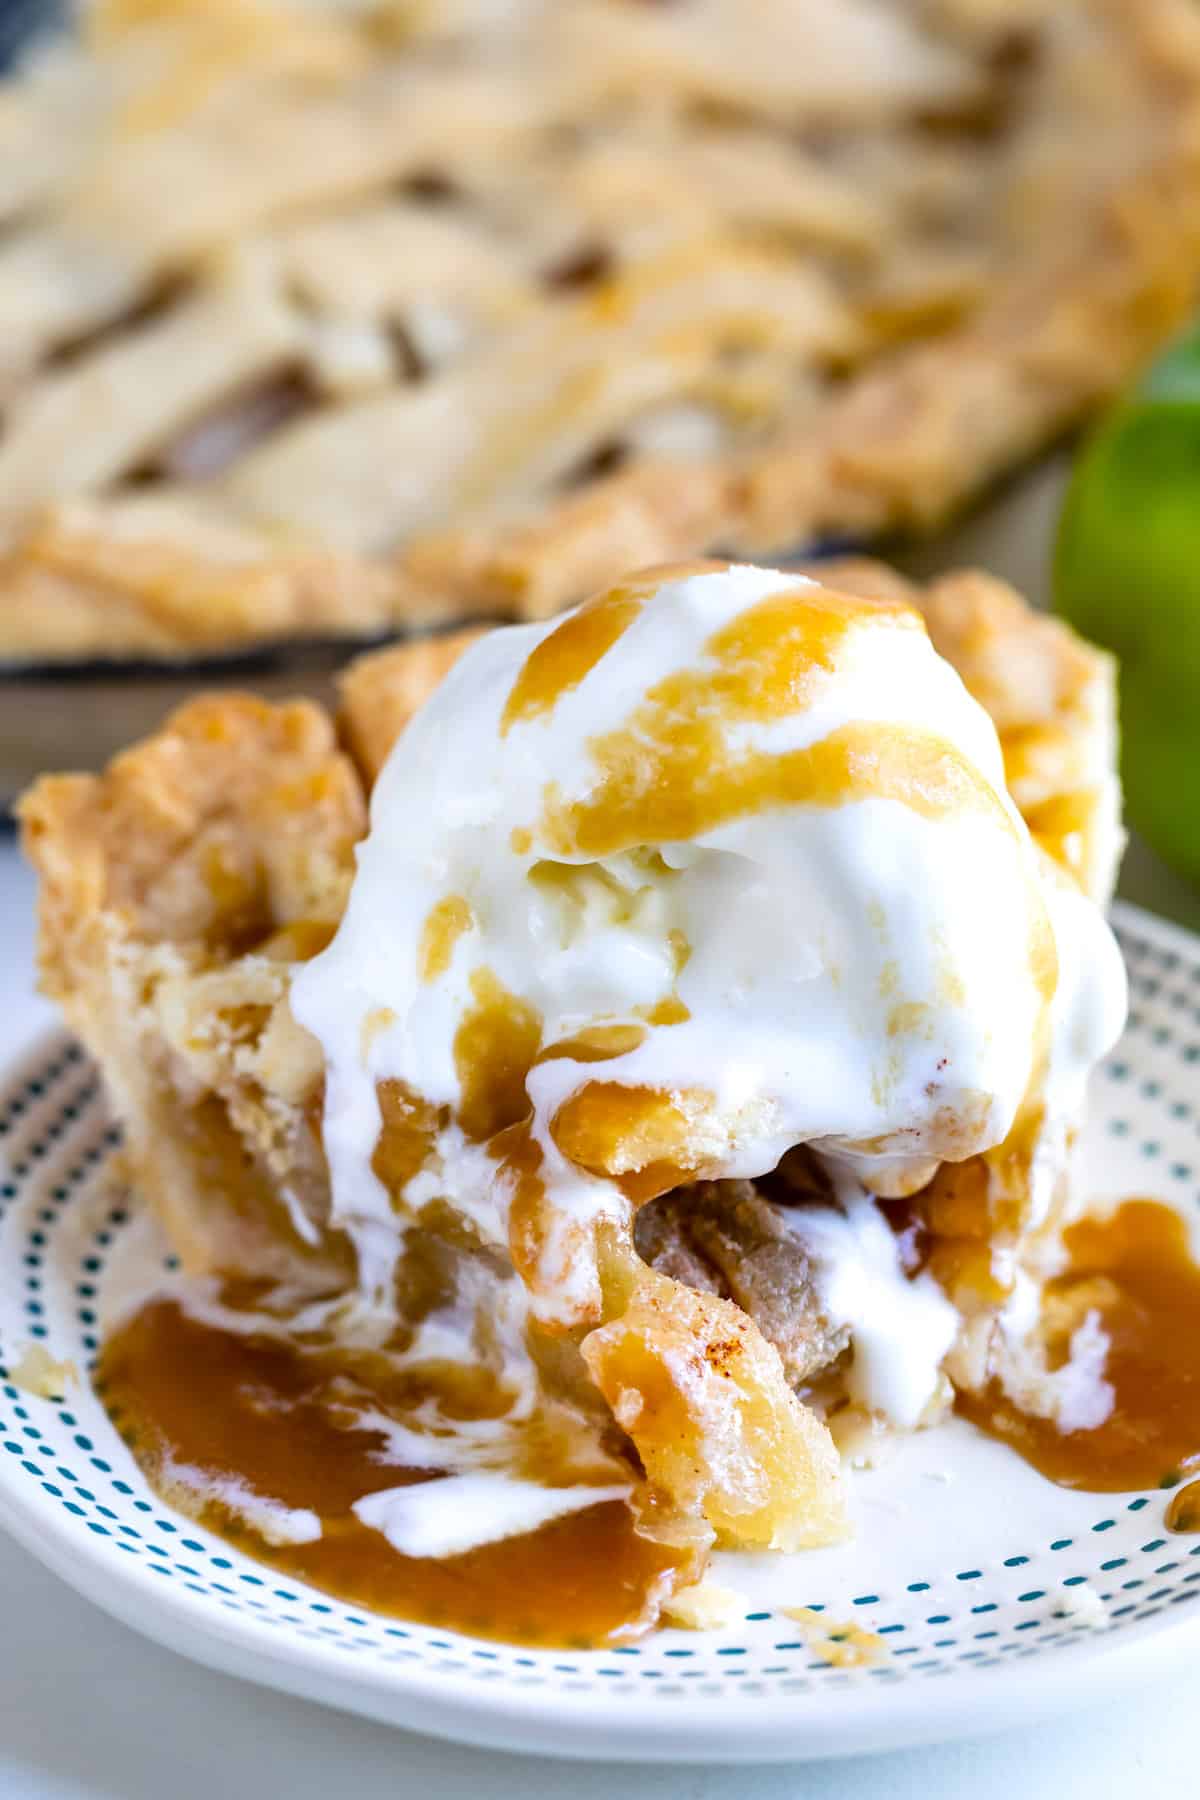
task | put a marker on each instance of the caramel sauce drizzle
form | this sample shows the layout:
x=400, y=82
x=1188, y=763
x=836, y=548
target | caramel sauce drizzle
x=1135, y=1269
x=559, y=663
x=687, y=785
x=595, y=1043
x=494, y=1048
x=446, y=923
x=668, y=1011
x=950, y=1223
x=199, y=1405
x=519, y=1156
x=635, y=1136
x=666, y=775
x=408, y=1128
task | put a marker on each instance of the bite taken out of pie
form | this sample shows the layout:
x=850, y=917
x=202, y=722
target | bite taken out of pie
x=671, y=1094
x=327, y=320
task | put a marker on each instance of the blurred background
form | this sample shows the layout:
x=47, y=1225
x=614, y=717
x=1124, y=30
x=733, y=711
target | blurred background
x=263, y=265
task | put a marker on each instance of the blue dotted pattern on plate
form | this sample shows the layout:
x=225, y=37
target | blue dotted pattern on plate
x=61, y=1215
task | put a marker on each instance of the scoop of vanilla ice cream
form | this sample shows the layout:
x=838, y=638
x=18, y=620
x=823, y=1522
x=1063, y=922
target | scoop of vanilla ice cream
x=722, y=861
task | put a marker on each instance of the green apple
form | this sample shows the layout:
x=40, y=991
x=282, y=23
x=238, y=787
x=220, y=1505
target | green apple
x=1127, y=575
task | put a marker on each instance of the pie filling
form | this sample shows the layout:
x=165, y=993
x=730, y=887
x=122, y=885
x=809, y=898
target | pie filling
x=670, y=1101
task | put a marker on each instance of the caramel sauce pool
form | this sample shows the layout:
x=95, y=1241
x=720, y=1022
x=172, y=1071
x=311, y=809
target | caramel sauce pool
x=255, y=1409
x=1135, y=1269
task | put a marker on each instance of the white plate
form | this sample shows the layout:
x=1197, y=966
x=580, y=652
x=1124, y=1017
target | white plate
x=1000, y=1597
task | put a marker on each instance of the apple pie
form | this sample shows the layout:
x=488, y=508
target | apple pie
x=327, y=321
x=684, y=1068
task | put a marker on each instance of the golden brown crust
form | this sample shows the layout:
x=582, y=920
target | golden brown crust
x=653, y=513
x=843, y=403
x=235, y=820
x=112, y=580
x=177, y=891
x=381, y=692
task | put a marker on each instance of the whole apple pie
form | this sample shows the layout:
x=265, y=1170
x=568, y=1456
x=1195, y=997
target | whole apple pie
x=327, y=320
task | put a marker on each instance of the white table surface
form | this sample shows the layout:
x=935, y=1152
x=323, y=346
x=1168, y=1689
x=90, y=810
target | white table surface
x=89, y=1711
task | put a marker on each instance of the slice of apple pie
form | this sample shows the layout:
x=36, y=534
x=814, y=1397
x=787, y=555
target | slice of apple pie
x=678, y=1079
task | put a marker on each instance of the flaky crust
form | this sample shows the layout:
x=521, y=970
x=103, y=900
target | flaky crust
x=177, y=892
x=380, y=693
x=947, y=378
